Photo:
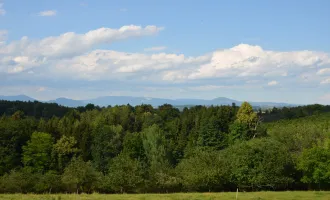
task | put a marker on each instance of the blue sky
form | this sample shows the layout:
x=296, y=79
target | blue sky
x=248, y=50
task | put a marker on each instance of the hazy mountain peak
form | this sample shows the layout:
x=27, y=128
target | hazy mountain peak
x=21, y=97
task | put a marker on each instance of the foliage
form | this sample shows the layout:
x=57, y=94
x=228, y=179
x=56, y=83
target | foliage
x=37, y=152
x=205, y=171
x=315, y=165
x=21, y=181
x=246, y=115
x=49, y=181
x=125, y=174
x=13, y=135
x=46, y=148
x=80, y=176
x=259, y=163
x=35, y=109
x=107, y=144
x=64, y=150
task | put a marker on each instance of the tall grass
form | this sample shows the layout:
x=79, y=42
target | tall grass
x=177, y=196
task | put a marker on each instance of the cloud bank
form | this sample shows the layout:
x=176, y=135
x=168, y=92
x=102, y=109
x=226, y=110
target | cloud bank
x=77, y=56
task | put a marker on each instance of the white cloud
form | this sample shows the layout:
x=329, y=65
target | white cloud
x=70, y=43
x=246, y=60
x=17, y=64
x=160, y=48
x=47, y=13
x=3, y=36
x=74, y=56
x=325, y=81
x=2, y=10
x=272, y=83
x=24, y=54
x=325, y=71
x=106, y=64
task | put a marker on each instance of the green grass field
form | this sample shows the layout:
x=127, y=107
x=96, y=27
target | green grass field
x=177, y=196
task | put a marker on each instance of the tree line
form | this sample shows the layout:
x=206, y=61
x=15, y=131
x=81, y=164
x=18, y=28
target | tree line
x=47, y=110
x=125, y=149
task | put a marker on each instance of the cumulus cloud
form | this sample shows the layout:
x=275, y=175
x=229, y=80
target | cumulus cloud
x=325, y=71
x=325, y=81
x=27, y=53
x=47, y=13
x=246, y=60
x=17, y=64
x=272, y=83
x=160, y=48
x=70, y=43
x=75, y=56
x=106, y=64
x=2, y=10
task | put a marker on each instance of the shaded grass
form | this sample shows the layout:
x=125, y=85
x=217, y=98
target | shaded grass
x=177, y=196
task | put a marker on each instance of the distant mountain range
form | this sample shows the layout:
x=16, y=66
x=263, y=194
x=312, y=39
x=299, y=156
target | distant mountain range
x=17, y=98
x=123, y=100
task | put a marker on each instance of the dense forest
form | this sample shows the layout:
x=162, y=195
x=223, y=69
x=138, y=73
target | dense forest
x=123, y=149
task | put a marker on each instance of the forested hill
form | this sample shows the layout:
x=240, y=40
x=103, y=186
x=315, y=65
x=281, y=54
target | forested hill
x=40, y=109
x=276, y=114
x=142, y=149
x=47, y=110
x=33, y=108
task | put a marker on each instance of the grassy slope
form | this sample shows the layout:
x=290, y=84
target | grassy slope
x=178, y=196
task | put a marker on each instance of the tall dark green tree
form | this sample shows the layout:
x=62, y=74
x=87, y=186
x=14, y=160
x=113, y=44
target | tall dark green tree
x=107, y=144
x=13, y=135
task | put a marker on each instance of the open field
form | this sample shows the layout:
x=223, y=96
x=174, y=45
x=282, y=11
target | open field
x=177, y=196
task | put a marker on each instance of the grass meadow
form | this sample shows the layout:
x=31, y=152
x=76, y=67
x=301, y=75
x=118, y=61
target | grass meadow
x=298, y=195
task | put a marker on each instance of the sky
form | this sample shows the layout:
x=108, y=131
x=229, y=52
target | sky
x=253, y=50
